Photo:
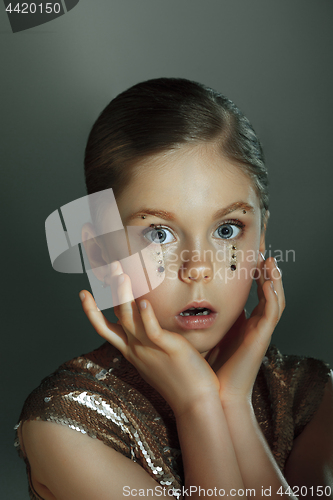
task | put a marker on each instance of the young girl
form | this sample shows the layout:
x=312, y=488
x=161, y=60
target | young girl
x=186, y=398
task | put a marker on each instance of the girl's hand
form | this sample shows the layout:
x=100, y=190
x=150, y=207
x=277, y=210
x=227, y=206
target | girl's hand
x=166, y=360
x=239, y=371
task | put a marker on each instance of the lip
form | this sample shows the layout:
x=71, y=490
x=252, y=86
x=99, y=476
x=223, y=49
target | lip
x=198, y=303
x=196, y=322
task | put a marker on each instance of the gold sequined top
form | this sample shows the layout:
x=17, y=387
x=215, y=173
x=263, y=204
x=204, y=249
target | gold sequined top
x=101, y=394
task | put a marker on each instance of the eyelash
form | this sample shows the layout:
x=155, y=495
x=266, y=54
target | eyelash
x=231, y=222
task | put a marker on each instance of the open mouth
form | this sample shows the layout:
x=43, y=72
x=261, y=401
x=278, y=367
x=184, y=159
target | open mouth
x=196, y=311
x=196, y=318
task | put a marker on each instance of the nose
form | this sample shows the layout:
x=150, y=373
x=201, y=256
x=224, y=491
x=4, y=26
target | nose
x=195, y=271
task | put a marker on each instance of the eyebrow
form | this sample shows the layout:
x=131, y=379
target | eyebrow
x=163, y=214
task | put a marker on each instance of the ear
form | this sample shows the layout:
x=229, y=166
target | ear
x=94, y=250
x=262, y=245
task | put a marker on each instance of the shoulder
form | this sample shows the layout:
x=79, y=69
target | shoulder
x=63, y=463
x=287, y=393
x=294, y=366
x=82, y=394
x=101, y=395
x=299, y=380
x=311, y=460
x=299, y=374
x=75, y=373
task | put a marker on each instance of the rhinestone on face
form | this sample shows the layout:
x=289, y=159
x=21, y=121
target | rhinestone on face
x=233, y=267
x=160, y=269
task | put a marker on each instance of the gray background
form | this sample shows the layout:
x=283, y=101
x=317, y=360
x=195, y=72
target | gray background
x=273, y=58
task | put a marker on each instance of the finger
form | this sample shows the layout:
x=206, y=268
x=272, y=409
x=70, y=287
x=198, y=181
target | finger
x=260, y=276
x=167, y=341
x=128, y=311
x=275, y=275
x=259, y=309
x=260, y=280
x=125, y=308
x=109, y=331
x=116, y=311
x=271, y=314
x=115, y=271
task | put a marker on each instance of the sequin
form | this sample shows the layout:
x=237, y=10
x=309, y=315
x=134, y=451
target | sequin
x=101, y=375
x=102, y=395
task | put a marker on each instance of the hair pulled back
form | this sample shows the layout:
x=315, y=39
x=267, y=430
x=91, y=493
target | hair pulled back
x=163, y=114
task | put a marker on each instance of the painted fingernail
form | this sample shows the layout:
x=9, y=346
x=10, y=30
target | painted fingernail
x=272, y=286
x=114, y=266
x=121, y=279
x=82, y=296
x=143, y=304
x=262, y=256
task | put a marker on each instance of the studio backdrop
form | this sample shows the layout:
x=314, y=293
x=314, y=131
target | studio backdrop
x=61, y=63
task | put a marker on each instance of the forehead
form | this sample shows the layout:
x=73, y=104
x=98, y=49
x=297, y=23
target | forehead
x=186, y=182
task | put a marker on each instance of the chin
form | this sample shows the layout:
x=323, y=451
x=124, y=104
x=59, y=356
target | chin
x=201, y=341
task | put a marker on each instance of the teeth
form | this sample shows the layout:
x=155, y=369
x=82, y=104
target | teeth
x=203, y=313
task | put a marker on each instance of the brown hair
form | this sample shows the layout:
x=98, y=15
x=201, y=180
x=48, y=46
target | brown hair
x=162, y=114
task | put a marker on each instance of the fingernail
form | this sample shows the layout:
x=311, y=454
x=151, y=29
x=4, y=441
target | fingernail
x=272, y=286
x=121, y=279
x=262, y=256
x=143, y=304
x=82, y=296
x=114, y=266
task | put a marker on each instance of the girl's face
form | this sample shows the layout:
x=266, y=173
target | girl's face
x=206, y=206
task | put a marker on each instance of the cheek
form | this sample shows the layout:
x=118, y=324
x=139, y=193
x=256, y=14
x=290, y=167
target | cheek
x=237, y=284
x=240, y=283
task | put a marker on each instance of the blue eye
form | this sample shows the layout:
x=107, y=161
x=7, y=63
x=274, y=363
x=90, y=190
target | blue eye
x=157, y=235
x=228, y=231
